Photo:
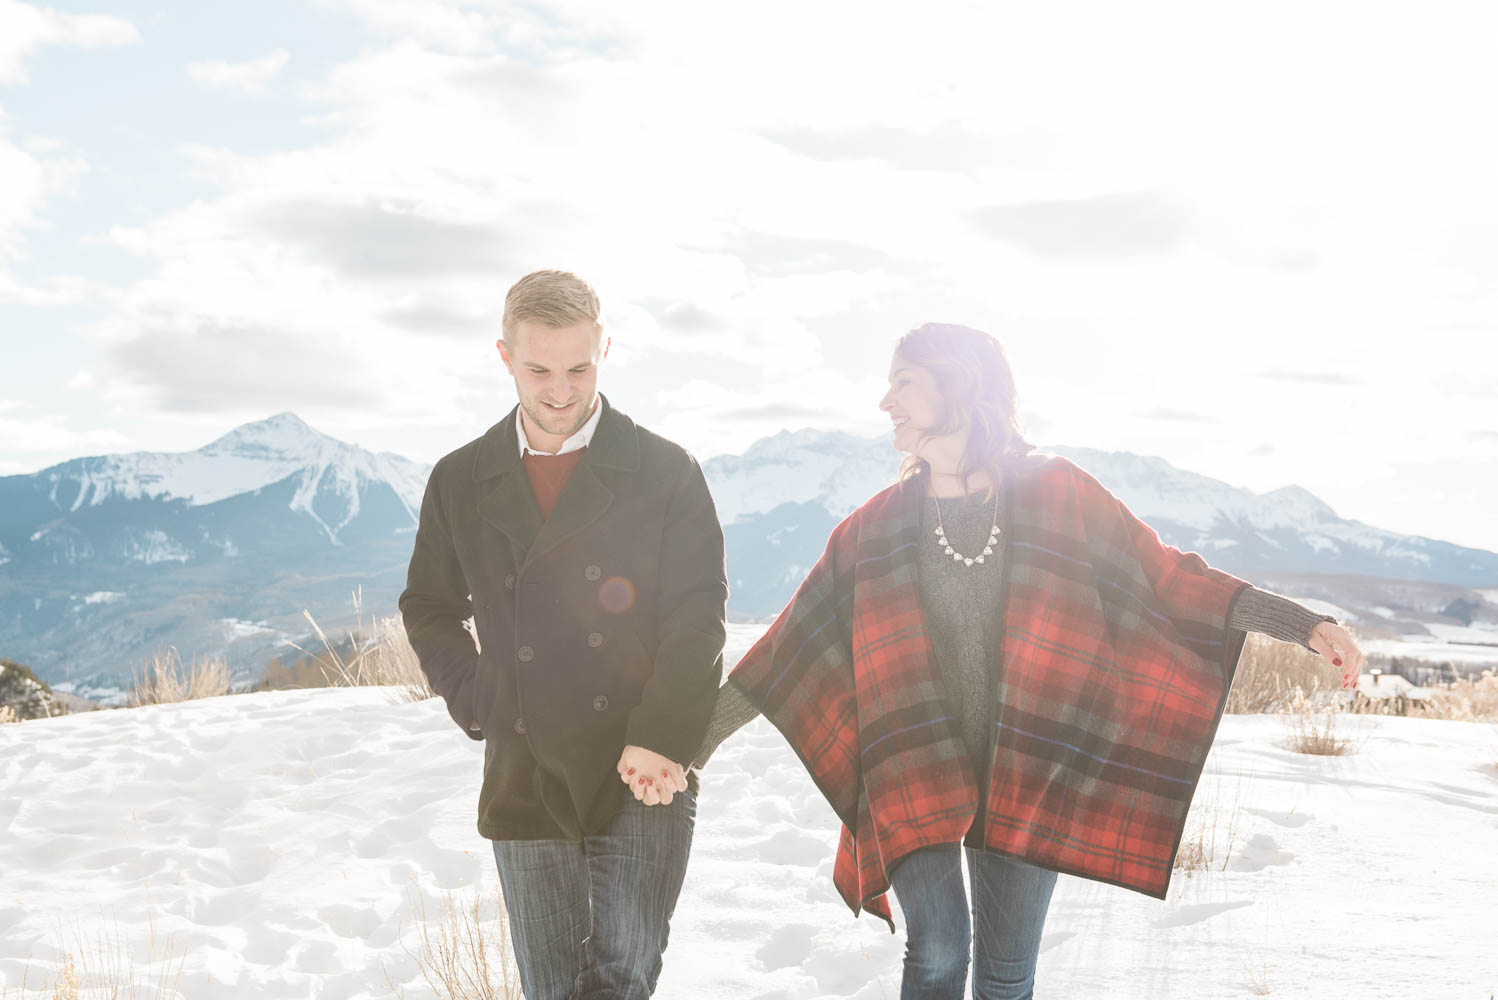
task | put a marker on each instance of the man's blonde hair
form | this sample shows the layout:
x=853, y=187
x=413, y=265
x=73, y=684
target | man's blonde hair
x=555, y=298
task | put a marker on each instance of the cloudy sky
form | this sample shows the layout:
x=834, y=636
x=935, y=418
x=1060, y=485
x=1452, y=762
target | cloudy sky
x=1260, y=241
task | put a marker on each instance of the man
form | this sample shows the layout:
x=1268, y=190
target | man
x=588, y=553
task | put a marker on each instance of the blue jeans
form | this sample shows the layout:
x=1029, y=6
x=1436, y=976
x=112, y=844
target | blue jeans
x=590, y=919
x=1010, y=899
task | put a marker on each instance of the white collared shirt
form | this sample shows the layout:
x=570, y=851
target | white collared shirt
x=574, y=443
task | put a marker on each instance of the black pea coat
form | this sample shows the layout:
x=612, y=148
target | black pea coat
x=601, y=627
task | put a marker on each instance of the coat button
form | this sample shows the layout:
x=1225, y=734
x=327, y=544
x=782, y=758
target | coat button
x=600, y=703
x=592, y=572
x=520, y=726
x=595, y=639
x=525, y=654
x=509, y=581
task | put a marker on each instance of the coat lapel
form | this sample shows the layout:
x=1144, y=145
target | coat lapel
x=615, y=448
x=584, y=500
x=505, y=498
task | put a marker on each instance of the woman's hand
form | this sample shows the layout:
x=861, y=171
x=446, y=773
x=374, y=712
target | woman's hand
x=652, y=778
x=1336, y=646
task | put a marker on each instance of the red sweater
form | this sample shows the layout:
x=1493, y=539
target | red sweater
x=548, y=474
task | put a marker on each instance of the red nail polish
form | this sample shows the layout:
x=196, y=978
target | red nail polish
x=1337, y=662
x=664, y=774
x=642, y=781
x=631, y=770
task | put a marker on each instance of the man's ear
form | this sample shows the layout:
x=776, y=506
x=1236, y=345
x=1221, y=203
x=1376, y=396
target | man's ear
x=504, y=355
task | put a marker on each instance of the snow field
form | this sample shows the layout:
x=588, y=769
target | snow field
x=279, y=843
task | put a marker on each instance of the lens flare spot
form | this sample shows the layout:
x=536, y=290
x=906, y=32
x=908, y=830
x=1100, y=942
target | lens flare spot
x=617, y=595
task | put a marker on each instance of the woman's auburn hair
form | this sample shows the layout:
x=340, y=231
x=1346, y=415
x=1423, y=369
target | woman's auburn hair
x=976, y=386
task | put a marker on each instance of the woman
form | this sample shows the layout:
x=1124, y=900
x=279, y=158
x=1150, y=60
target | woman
x=994, y=655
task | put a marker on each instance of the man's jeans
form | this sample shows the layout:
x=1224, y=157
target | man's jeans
x=1010, y=899
x=590, y=920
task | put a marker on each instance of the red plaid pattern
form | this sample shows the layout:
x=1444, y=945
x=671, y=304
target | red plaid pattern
x=1112, y=670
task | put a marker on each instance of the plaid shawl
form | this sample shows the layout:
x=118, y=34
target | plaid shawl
x=1111, y=674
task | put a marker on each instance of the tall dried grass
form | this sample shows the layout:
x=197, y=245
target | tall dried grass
x=1315, y=733
x=1211, y=832
x=1279, y=677
x=165, y=680
x=102, y=969
x=381, y=656
x=467, y=956
x=1473, y=699
x=8, y=714
x=1273, y=674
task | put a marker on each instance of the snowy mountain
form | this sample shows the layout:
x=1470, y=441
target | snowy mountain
x=780, y=499
x=215, y=551
x=324, y=480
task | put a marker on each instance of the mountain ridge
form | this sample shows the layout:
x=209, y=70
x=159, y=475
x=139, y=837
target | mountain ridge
x=218, y=551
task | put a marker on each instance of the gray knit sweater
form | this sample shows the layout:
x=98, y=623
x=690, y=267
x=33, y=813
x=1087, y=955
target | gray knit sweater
x=960, y=602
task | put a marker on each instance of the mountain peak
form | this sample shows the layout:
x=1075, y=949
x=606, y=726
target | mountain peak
x=1302, y=500
x=283, y=434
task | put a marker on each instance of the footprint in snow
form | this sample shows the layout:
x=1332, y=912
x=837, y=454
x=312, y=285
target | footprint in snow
x=1262, y=851
x=1292, y=820
x=1197, y=912
x=788, y=947
x=790, y=846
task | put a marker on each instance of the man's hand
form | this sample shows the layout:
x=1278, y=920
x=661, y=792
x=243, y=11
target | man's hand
x=652, y=778
x=1336, y=646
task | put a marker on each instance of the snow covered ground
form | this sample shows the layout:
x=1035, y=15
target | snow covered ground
x=280, y=842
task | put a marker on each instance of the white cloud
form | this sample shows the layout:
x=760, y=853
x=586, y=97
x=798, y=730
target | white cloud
x=47, y=438
x=25, y=28
x=31, y=175
x=251, y=77
x=33, y=169
x=1148, y=219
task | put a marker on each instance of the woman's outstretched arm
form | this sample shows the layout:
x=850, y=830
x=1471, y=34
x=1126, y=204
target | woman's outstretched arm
x=732, y=712
x=1254, y=611
x=1277, y=617
x=1280, y=618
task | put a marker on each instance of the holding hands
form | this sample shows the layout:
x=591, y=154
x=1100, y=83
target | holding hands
x=1336, y=646
x=653, y=778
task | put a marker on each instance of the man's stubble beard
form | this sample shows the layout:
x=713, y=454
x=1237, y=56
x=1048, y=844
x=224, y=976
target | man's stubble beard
x=541, y=419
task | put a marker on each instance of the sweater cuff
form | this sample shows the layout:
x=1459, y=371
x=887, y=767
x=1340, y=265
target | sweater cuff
x=1278, y=617
x=731, y=713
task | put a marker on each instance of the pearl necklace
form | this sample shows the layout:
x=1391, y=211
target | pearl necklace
x=993, y=536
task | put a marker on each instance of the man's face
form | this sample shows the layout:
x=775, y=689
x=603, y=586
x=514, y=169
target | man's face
x=556, y=376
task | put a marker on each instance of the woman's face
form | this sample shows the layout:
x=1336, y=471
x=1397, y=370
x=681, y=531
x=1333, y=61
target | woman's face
x=913, y=403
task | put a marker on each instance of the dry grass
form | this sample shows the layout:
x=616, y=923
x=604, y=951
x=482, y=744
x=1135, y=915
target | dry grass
x=467, y=955
x=8, y=714
x=1473, y=699
x=1279, y=677
x=1272, y=674
x=1258, y=978
x=102, y=970
x=380, y=656
x=1211, y=832
x=166, y=680
x=1312, y=729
